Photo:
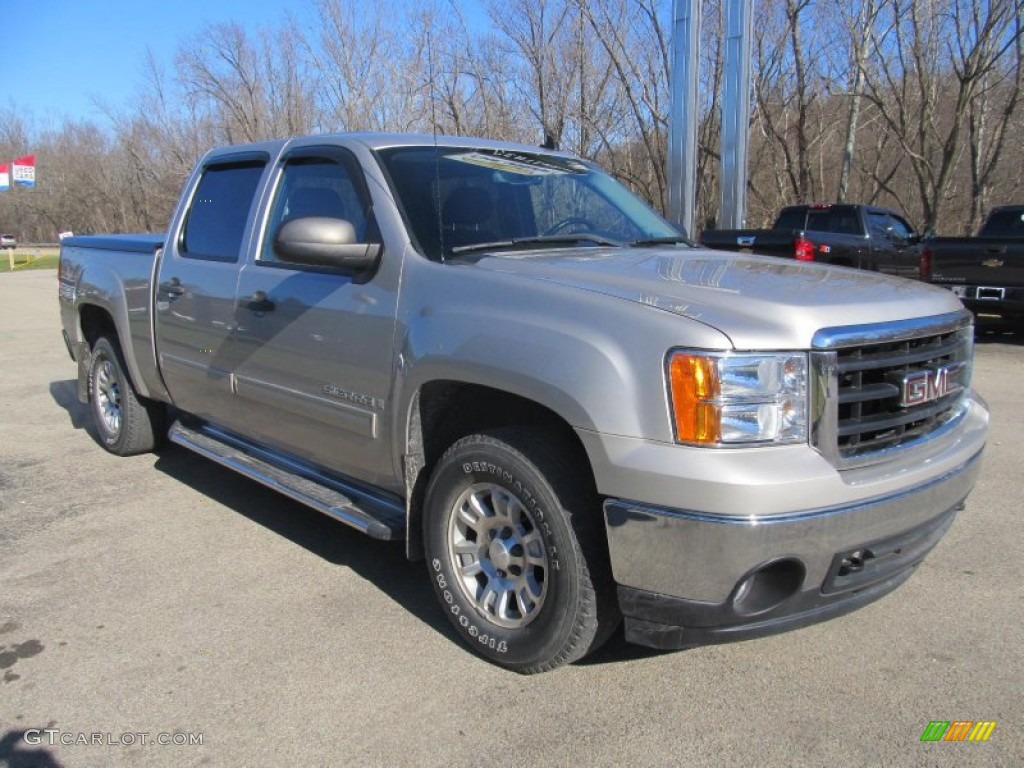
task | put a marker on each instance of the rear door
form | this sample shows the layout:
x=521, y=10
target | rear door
x=195, y=291
x=315, y=345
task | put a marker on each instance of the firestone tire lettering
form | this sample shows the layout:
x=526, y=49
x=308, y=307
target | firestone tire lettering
x=514, y=541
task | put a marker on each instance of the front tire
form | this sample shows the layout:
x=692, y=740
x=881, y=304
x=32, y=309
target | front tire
x=515, y=551
x=126, y=423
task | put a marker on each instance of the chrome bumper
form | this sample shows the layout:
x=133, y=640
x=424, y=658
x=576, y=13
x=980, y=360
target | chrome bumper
x=687, y=578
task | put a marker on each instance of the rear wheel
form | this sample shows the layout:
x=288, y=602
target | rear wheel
x=127, y=424
x=515, y=551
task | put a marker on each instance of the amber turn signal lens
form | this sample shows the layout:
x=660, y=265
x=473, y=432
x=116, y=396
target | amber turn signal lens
x=694, y=382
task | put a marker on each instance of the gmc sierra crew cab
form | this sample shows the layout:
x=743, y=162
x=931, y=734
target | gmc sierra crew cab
x=986, y=272
x=859, y=236
x=502, y=358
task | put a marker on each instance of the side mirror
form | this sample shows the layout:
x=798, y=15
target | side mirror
x=320, y=241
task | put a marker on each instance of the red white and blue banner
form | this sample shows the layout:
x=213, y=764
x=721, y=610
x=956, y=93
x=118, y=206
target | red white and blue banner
x=24, y=171
x=5, y=178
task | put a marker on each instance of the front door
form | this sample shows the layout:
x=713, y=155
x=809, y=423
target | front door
x=894, y=248
x=315, y=353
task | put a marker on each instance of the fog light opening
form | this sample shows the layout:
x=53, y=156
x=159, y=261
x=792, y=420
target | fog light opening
x=768, y=586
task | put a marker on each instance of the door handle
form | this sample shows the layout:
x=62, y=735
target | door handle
x=996, y=249
x=174, y=288
x=259, y=302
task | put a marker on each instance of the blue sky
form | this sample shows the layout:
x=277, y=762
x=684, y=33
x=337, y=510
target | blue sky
x=58, y=56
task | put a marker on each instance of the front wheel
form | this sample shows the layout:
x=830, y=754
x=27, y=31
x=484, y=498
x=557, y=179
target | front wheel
x=515, y=551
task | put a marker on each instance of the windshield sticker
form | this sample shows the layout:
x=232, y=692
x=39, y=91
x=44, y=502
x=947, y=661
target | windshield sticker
x=519, y=162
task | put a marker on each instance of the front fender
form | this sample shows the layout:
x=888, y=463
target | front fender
x=595, y=360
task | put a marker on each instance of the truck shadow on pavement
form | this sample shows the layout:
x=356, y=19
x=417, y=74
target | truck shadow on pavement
x=65, y=394
x=382, y=563
x=17, y=752
x=999, y=335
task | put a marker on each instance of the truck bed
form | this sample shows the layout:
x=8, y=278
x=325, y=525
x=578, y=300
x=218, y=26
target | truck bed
x=986, y=273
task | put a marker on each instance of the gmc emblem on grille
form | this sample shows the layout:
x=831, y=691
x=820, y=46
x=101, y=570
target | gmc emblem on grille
x=925, y=385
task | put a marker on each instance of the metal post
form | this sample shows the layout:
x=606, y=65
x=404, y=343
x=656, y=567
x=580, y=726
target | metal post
x=735, y=114
x=682, y=125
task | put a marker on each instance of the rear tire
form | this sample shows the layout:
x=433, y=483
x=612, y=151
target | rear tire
x=515, y=550
x=126, y=423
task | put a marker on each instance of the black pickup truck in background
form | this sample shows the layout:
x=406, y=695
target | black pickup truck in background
x=987, y=271
x=860, y=236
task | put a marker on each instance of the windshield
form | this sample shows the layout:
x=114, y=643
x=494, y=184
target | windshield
x=455, y=198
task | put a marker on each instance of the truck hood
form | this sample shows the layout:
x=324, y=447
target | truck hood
x=759, y=302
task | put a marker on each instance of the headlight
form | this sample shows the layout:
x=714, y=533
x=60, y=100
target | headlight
x=722, y=398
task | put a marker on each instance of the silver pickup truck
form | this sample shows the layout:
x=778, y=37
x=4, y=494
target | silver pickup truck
x=501, y=357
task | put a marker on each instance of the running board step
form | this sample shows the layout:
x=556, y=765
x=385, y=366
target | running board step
x=378, y=517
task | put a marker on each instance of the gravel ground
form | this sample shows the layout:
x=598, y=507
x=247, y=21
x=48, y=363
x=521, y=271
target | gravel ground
x=162, y=595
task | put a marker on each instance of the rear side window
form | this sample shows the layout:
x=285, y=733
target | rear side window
x=791, y=218
x=880, y=226
x=220, y=208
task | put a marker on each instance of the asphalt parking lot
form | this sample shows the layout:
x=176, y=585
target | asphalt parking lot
x=165, y=596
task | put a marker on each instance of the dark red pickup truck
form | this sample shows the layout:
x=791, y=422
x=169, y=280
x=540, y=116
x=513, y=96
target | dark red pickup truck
x=860, y=236
x=987, y=271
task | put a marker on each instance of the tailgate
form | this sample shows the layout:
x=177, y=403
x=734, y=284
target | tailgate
x=980, y=263
x=770, y=241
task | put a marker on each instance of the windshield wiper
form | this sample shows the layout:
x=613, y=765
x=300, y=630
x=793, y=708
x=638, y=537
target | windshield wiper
x=670, y=240
x=515, y=242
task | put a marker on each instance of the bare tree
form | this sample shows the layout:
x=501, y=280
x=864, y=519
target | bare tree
x=858, y=25
x=925, y=102
x=991, y=116
x=785, y=94
x=223, y=66
x=540, y=32
x=633, y=35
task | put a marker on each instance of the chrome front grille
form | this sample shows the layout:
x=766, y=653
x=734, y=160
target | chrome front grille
x=881, y=389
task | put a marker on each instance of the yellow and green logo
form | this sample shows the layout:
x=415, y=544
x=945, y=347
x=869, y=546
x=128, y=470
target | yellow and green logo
x=958, y=730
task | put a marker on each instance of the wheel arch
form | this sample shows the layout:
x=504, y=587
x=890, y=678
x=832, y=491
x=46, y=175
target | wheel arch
x=95, y=322
x=445, y=410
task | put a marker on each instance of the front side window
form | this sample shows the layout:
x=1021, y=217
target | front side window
x=901, y=230
x=316, y=186
x=215, y=223
x=455, y=198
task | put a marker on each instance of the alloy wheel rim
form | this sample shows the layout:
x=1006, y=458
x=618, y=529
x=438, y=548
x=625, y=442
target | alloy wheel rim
x=500, y=562
x=108, y=394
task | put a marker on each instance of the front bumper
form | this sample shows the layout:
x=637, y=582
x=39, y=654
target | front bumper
x=771, y=573
x=991, y=303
